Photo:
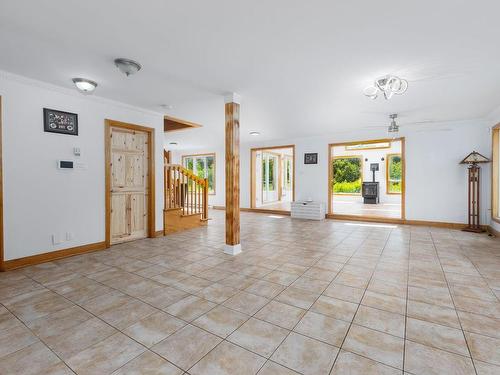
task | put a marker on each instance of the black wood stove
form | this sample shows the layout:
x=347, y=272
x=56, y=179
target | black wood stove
x=370, y=190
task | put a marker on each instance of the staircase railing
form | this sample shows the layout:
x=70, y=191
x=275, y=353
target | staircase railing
x=184, y=190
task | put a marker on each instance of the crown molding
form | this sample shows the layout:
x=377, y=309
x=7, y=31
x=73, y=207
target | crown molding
x=7, y=76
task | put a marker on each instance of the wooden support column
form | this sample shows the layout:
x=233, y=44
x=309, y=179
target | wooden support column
x=232, y=107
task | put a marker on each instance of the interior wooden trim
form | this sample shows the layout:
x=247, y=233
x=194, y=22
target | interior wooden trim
x=252, y=169
x=151, y=167
x=387, y=156
x=215, y=166
x=52, y=255
x=159, y=233
x=495, y=136
x=403, y=180
x=187, y=124
x=1, y=193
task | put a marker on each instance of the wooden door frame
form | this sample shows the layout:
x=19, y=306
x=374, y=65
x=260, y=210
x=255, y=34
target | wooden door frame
x=252, y=169
x=2, y=258
x=403, y=181
x=108, y=124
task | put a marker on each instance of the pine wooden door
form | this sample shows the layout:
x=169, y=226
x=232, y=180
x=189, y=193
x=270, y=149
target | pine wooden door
x=129, y=184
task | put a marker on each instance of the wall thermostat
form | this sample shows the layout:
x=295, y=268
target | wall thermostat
x=65, y=164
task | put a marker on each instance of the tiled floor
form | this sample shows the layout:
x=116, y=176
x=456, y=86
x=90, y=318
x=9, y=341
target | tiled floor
x=304, y=298
x=353, y=205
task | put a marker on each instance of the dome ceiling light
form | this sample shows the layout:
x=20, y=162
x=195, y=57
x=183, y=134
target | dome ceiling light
x=127, y=66
x=387, y=85
x=84, y=85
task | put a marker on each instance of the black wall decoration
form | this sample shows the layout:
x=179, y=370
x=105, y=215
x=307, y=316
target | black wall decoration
x=60, y=122
x=311, y=158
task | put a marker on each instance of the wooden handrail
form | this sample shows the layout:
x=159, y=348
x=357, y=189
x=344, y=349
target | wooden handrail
x=186, y=191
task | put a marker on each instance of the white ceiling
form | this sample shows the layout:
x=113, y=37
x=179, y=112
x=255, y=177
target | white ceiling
x=300, y=66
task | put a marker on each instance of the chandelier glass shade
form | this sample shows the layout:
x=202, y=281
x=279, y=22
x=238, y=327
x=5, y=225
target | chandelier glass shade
x=388, y=86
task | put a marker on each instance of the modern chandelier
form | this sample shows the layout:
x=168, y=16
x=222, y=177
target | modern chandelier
x=387, y=85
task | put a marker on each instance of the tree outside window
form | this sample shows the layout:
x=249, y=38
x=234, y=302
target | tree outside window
x=394, y=173
x=347, y=174
x=203, y=166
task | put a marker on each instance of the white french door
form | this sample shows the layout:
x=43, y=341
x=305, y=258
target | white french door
x=269, y=177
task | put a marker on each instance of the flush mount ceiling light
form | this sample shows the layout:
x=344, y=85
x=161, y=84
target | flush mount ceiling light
x=388, y=85
x=127, y=66
x=166, y=106
x=254, y=134
x=84, y=85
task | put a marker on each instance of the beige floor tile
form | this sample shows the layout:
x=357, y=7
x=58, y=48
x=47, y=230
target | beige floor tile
x=375, y=345
x=148, y=363
x=221, y=321
x=57, y=322
x=265, y=289
x=310, y=285
x=281, y=314
x=154, y=328
x=380, y=320
x=335, y=308
x=163, y=297
x=228, y=359
x=192, y=284
x=105, y=356
x=217, y=293
x=484, y=348
x=127, y=314
x=480, y=324
x=37, y=304
x=483, y=293
x=8, y=320
x=483, y=368
x=170, y=277
x=246, y=303
x=435, y=296
x=321, y=274
x=72, y=340
x=344, y=292
x=324, y=328
x=391, y=289
x=384, y=302
x=424, y=360
x=272, y=368
x=259, y=337
x=305, y=355
x=437, y=336
x=476, y=306
x=14, y=339
x=297, y=297
x=353, y=364
x=190, y=308
x=280, y=277
x=292, y=268
x=433, y=313
x=35, y=359
x=187, y=346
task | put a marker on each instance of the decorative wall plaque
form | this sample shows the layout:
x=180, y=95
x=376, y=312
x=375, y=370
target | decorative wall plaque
x=60, y=122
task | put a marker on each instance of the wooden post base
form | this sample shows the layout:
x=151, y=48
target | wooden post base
x=473, y=230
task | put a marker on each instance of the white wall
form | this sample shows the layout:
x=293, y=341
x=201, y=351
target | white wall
x=436, y=187
x=39, y=199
